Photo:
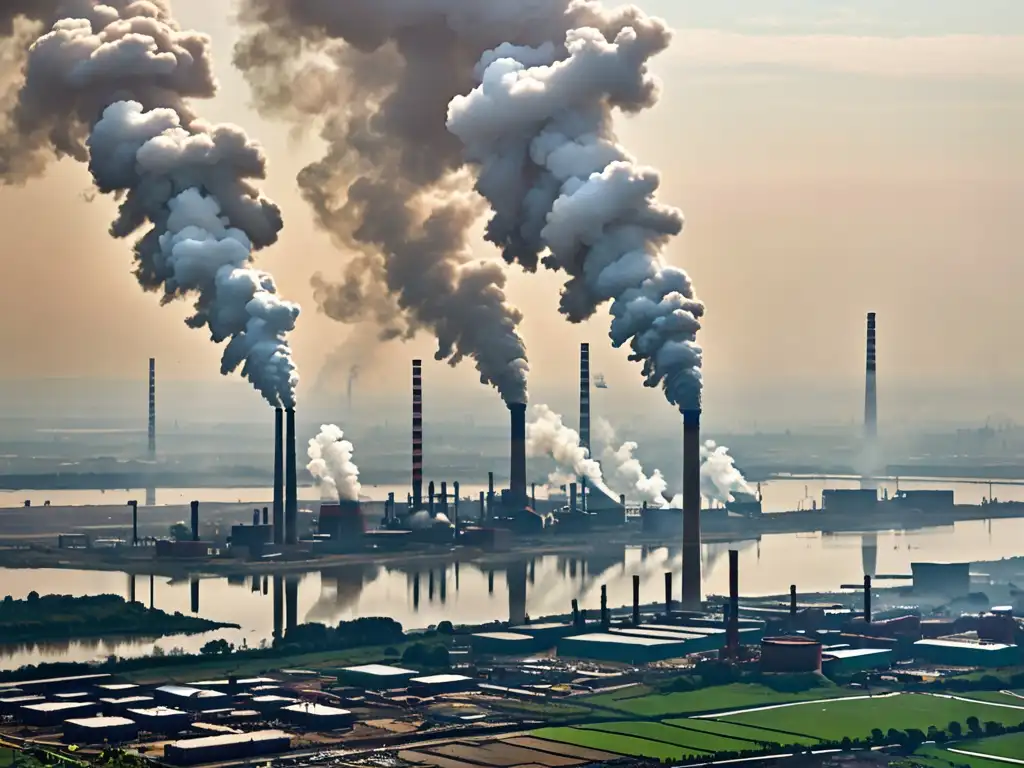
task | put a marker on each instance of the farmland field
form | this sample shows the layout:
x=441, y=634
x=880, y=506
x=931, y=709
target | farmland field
x=617, y=743
x=856, y=718
x=934, y=756
x=748, y=733
x=699, y=742
x=1010, y=745
x=716, y=699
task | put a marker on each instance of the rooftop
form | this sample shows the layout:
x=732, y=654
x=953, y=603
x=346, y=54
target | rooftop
x=102, y=722
x=239, y=681
x=381, y=670
x=205, y=742
x=127, y=700
x=965, y=644
x=440, y=679
x=117, y=686
x=158, y=712
x=317, y=710
x=51, y=680
x=504, y=636
x=607, y=637
x=58, y=706
x=186, y=691
x=852, y=653
x=551, y=625
x=269, y=699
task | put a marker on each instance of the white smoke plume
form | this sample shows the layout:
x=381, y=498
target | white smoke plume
x=624, y=471
x=546, y=435
x=422, y=520
x=331, y=464
x=719, y=476
x=110, y=83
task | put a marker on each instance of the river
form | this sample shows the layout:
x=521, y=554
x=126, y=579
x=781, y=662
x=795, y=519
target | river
x=467, y=592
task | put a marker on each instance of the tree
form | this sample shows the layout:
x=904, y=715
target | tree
x=877, y=736
x=32, y=596
x=993, y=728
x=445, y=628
x=974, y=725
x=955, y=729
x=219, y=647
x=180, y=532
x=896, y=736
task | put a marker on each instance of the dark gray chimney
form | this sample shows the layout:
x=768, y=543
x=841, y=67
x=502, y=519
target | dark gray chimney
x=733, y=633
x=195, y=521
x=389, y=512
x=152, y=409
x=135, y=522
x=483, y=508
x=572, y=498
x=417, y=434
x=279, y=476
x=585, y=396
x=792, y=600
x=668, y=593
x=605, y=618
x=444, y=498
x=867, y=598
x=636, y=600
x=455, y=505
x=291, y=486
x=517, y=462
x=868, y=480
x=430, y=498
x=256, y=517
x=266, y=516
x=490, y=494
x=692, y=591
x=575, y=613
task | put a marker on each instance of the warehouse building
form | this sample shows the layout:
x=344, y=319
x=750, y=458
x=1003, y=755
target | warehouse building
x=161, y=719
x=56, y=712
x=505, y=643
x=11, y=704
x=270, y=704
x=547, y=634
x=941, y=579
x=318, y=717
x=78, y=696
x=117, y=689
x=230, y=685
x=57, y=684
x=375, y=677
x=621, y=648
x=187, y=696
x=210, y=749
x=435, y=685
x=120, y=706
x=99, y=730
x=848, y=661
x=959, y=653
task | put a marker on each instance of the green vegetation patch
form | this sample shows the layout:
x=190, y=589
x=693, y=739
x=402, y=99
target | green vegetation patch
x=549, y=710
x=1010, y=745
x=996, y=697
x=667, y=734
x=715, y=699
x=856, y=718
x=616, y=743
x=934, y=756
x=748, y=733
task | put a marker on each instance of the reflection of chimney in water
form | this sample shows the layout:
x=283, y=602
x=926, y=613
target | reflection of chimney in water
x=444, y=498
x=533, y=575
x=278, y=607
x=430, y=586
x=194, y=584
x=291, y=603
x=490, y=582
x=415, y=591
x=255, y=584
x=444, y=585
x=516, y=576
x=456, y=575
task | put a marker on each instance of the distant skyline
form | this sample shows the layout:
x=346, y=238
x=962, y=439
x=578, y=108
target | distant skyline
x=832, y=158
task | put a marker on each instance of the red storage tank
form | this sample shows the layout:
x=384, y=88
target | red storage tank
x=790, y=654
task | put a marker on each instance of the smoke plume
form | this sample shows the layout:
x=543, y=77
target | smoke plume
x=539, y=130
x=377, y=76
x=422, y=520
x=110, y=83
x=546, y=435
x=624, y=471
x=719, y=476
x=330, y=463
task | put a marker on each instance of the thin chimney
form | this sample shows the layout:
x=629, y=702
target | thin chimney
x=668, y=593
x=867, y=598
x=279, y=476
x=605, y=618
x=417, y=434
x=195, y=520
x=585, y=396
x=135, y=522
x=870, y=410
x=291, y=489
x=152, y=409
x=430, y=498
x=517, y=459
x=692, y=591
x=734, y=602
x=636, y=600
x=792, y=600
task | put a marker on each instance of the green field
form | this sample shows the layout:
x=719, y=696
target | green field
x=744, y=732
x=6, y=756
x=698, y=741
x=617, y=743
x=1010, y=745
x=831, y=721
x=997, y=697
x=935, y=756
x=721, y=698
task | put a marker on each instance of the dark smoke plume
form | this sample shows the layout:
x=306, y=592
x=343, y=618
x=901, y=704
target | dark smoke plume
x=378, y=75
x=109, y=84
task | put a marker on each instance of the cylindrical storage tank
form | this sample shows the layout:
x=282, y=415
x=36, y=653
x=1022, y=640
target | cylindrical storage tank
x=790, y=654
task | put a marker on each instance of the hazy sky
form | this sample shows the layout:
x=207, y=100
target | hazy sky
x=831, y=158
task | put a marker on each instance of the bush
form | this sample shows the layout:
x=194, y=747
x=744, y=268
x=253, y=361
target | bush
x=955, y=729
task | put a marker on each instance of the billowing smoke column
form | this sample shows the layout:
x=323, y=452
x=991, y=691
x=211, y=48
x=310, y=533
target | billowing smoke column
x=719, y=477
x=378, y=77
x=331, y=464
x=109, y=83
x=546, y=435
x=625, y=472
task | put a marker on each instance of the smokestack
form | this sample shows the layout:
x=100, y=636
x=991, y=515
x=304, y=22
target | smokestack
x=256, y=517
x=605, y=619
x=867, y=598
x=194, y=586
x=291, y=490
x=389, y=513
x=266, y=516
x=733, y=634
x=152, y=409
x=583, y=494
x=195, y=521
x=636, y=600
x=622, y=500
x=490, y=494
x=455, y=506
x=483, y=507
x=575, y=612
x=792, y=600
x=692, y=592
x=279, y=476
x=517, y=464
x=668, y=593
x=444, y=498
x=417, y=434
x=572, y=498
x=870, y=409
x=533, y=496
x=135, y=522
x=585, y=396
x=430, y=498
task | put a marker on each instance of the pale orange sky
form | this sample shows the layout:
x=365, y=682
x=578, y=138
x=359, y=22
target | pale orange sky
x=824, y=171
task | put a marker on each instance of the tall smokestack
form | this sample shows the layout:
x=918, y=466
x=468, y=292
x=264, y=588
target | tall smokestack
x=867, y=598
x=152, y=409
x=692, y=593
x=417, y=434
x=733, y=634
x=291, y=490
x=792, y=601
x=135, y=522
x=517, y=464
x=668, y=593
x=195, y=520
x=605, y=618
x=585, y=396
x=870, y=410
x=279, y=476
x=636, y=600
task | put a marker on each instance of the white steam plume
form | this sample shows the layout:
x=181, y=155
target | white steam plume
x=720, y=479
x=539, y=129
x=331, y=464
x=422, y=520
x=110, y=83
x=546, y=435
x=624, y=470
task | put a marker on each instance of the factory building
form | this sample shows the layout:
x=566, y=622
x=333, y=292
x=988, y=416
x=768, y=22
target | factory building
x=120, y=705
x=620, y=648
x=270, y=703
x=318, y=717
x=848, y=661
x=375, y=677
x=187, y=696
x=100, y=730
x=504, y=643
x=436, y=685
x=58, y=684
x=849, y=501
x=941, y=579
x=10, y=705
x=790, y=654
x=546, y=634
x=54, y=712
x=160, y=719
x=958, y=653
x=233, y=746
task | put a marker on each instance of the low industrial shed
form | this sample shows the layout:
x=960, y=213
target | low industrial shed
x=11, y=704
x=375, y=676
x=97, y=730
x=961, y=654
x=318, y=717
x=56, y=712
x=209, y=749
x=119, y=706
x=268, y=704
x=548, y=634
x=57, y=684
x=432, y=685
x=625, y=649
x=505, y=643
x=161, y=719
x=186, y=695
x=847, y=661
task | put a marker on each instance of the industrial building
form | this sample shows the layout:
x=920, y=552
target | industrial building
x=941, y=579
x=270, y=703
x=318, y=717
x=100, y=730
x=790, y=654
x=375, y=676
x=504, y=643
x=12, y=704
x=56, y=712
x=161, y=719
x=435, y=685
x=210, y=749
x=620, y=648
x=848, y=661
x=957, y=653
x=119, y=706
x=184, y=695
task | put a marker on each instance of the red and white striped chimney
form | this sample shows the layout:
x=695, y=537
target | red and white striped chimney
x=585, y=395
x=417, y=434
x=870, y=411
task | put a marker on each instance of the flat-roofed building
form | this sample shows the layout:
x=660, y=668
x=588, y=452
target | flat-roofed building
x=186, y=695
x=624, y=649
x=434, y=685
x=161, y=719
x=318, y=717
x=959, y=653
x=56, y=712
x=226, y=747
x=120, y=705
x=375, y=676
x=100, y=730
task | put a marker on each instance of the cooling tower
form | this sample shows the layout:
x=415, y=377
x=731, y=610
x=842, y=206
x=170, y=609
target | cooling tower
x=279, y=476
x=417, y=434
x=585, y=395
x=291, y=489
x=692, y=593
x=152, y=409
x=517, y=463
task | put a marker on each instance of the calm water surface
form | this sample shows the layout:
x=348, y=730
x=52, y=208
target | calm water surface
x=468, y=592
